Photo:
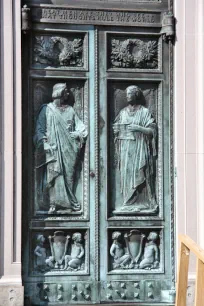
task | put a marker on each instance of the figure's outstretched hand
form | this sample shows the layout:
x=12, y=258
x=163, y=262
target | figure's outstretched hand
x=74, y=135
x=47, y=148
x=115, y=129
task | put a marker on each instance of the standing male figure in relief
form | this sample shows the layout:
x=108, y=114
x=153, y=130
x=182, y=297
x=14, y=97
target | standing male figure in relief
x=59, y=137
x=135, y=133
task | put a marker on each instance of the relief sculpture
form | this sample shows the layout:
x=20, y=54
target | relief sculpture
x=135, y=133
x=58, y=51
x=59, y=138
x=117, y=251
x=135, y=250
x=134, y=53
x=151, y=253
x=65, y=253
x=40, y=253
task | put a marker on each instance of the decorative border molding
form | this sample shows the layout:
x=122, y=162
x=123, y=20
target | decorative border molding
x=171, y=93
x=97, y=173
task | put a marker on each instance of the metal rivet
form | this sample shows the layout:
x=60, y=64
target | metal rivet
x=74, y=297
x=60, y=287
x=109, y=297
x=87, y=287
x=123, y=296
x=87, y=297
x=150, y=295
x=59, y=297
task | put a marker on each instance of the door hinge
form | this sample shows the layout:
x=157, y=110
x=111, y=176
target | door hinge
x=25, y=19
x=168, y=27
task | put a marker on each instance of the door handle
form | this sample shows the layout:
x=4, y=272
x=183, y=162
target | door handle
x=92, y=174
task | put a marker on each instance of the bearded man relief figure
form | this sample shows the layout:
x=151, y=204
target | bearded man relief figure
x=59, y=138
x=135, y=133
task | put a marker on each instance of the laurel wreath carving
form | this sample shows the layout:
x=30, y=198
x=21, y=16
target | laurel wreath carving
x=58, y=51
x=134, y=53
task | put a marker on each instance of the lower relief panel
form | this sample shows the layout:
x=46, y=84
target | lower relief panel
x=144, y=291
x=62, y=252
x=61, y=292
x=136, y=251
x=85, y=292
x=61, y=261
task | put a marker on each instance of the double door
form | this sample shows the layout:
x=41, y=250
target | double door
x=98, y=224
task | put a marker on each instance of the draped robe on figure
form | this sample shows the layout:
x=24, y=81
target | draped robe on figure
x=55, y=170
x=136, y=152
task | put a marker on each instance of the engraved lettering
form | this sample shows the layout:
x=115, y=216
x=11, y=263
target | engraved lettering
x=152, y=19
x=95, y=16
x=128, y=17
x=139, y=17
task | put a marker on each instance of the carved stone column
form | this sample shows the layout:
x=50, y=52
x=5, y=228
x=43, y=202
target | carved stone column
x=189, y=124
x=11, y=290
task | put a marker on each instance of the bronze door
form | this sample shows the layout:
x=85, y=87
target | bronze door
x=98, y=207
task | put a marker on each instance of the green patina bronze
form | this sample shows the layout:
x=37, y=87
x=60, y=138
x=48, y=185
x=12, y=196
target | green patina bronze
x=135, y=138
x=98, y=201
x=59, y=138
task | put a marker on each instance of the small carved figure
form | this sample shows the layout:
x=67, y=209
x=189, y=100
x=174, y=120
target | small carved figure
x=151, y=253
x=74, y=260
x=117, y=251
x=59, y=137
x=40, y=253
x=135, y=138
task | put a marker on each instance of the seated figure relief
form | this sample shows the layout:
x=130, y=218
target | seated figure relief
x=117, y=251
x=59, y=138
x=74, y=260
x=151, y=253
x=135, y=133
x=60, y=247
x=130, y=252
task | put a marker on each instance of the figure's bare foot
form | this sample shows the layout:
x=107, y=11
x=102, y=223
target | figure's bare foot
x=76, y=207
x=52, y=209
